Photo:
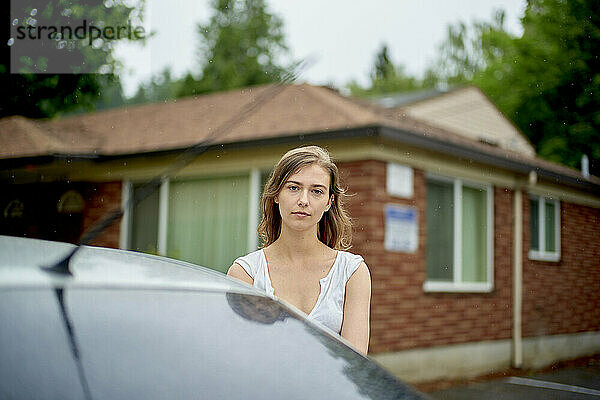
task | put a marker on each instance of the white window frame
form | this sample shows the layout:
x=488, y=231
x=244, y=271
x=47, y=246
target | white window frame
x=127, y=218
x=542, y=254
x=125, y=232
x=456, y=285
x=163, y=215
x=253, y=204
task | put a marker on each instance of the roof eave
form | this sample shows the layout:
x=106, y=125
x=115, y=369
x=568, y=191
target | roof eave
x=517, y=166
x=392, y=133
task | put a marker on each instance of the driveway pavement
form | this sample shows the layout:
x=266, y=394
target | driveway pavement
x=577, y=383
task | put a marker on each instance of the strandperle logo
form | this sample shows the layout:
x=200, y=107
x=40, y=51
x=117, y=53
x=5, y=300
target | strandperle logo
x=81, y=32
x=63, y=41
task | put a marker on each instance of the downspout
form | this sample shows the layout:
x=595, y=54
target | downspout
x=517, y=356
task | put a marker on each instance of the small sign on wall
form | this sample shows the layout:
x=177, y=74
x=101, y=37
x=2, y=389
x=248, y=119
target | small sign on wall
x=401, y=228
x=399, y=180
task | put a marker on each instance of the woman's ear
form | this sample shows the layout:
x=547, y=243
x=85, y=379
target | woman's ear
x=330, y=203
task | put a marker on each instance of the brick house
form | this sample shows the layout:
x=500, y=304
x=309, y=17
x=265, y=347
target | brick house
x=481, y=254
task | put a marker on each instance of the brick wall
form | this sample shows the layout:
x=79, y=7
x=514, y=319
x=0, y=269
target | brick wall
x=558, y=297
x=564, y=297
x=42, y=220
x=101, y=198
x=403, y=316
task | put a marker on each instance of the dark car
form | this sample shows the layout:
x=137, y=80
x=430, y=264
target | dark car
x=127, y=325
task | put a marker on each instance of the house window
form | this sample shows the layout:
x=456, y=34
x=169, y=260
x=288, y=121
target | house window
x=460, y=229
x=143, y=232
x=207, y=221
x=544, y=228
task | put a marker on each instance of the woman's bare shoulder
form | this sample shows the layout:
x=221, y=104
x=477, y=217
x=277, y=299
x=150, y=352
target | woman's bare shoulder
x=362, y=273
x=238, y=272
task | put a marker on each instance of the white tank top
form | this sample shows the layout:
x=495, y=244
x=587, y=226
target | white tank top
x=329, y=309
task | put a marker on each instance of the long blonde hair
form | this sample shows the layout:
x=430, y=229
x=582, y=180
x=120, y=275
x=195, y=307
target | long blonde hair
x=335, y=228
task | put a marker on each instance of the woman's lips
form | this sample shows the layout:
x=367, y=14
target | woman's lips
x=301, y=213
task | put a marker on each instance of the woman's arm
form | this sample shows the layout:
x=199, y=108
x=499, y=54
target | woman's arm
x=355, y=325
x=240, y=273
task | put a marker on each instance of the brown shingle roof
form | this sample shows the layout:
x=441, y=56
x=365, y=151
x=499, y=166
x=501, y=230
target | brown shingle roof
x=283, y=111
x=22, y=137
x=287, y=110
x=277, y=111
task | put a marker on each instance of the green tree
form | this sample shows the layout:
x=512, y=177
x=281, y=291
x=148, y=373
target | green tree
x=469, y=49
x=241, y=45
x=385, y=78
x=547, y=81
x=161, y=87
x=108, y=95
x=383, y=64
x=555, y=67
x=49, y=74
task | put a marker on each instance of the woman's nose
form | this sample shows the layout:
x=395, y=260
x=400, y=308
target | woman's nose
x=303, y=198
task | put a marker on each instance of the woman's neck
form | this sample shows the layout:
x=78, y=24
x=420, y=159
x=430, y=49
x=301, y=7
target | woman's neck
x=295, y=245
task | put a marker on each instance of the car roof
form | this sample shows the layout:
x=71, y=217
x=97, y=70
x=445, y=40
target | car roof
x=183, y=344
x=23, y=262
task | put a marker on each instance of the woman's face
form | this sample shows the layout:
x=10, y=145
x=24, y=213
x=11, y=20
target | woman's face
x=304, y=197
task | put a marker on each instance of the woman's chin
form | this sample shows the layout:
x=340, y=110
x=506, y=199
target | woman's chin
x=300, y=225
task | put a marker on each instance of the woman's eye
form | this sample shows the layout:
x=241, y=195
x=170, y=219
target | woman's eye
x=318, y=191
x=293, y=187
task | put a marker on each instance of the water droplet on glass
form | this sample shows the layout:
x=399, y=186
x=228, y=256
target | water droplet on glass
x=252, y=52
x=263, y=59
x=11, y=41
x=104, y=69
x=96, y=44
x=15, y=21
x=33, y=12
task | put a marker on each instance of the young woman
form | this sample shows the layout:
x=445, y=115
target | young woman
x=305, y=231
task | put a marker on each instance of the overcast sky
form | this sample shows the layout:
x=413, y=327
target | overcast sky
x=343, y=36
